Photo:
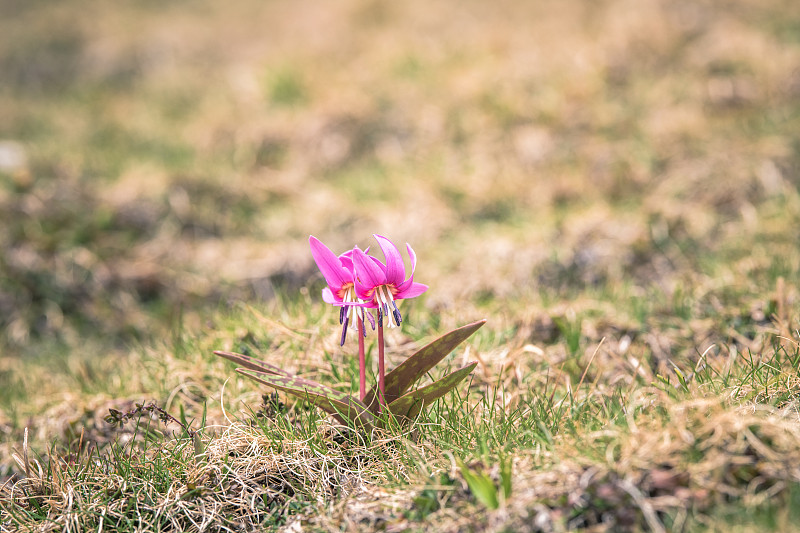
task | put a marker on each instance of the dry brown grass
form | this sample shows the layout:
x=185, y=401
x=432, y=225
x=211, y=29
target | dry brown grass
x=243, y=479
x=520, y=132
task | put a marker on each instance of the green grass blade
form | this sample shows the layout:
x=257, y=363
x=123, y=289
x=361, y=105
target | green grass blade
x=399, y=380
x=506, y=476
x=481, y=486
x=341, y=405
x=253, y=363
x=412, y=403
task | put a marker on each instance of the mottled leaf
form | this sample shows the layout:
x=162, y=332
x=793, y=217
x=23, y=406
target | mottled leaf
x=341, y=405
x=253, y=363
x=399, y=380
x=410, y=405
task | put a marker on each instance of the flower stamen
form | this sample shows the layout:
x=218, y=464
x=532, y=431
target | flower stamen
x=344, y=329
x=384, y=298
x=346, y=312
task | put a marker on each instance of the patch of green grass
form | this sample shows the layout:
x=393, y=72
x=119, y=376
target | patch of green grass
x=287, y=89
x=773, y=514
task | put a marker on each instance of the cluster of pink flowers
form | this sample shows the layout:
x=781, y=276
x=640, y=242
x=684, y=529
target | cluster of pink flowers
x=357, y=283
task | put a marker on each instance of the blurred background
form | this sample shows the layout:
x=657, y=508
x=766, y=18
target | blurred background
x=159, y=160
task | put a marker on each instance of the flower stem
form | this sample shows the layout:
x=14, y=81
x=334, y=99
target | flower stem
x=362, y=362
x=381, y=366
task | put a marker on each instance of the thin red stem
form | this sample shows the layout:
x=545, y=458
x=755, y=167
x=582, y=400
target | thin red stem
x=362, y=362
x=381, y=367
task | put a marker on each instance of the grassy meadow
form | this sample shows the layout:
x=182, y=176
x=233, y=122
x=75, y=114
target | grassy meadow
x=613, y=185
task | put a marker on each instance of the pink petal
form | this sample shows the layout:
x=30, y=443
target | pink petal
x=378, y=262
x=328, y=297
x=330, y=265
x=412, y=291
x=370, y=304
x=346, y=259
x=410, y=279
x=368, y=274
x=395, y=270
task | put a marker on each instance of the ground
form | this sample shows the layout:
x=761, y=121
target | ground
x=613, y=185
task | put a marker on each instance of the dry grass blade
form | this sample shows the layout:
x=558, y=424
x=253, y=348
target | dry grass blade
x=25, y=459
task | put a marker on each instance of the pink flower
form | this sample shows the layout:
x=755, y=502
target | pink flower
x=379, y=284
x=339, y=275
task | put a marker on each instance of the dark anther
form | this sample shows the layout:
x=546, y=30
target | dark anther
x=396, y=312
x=344, y=329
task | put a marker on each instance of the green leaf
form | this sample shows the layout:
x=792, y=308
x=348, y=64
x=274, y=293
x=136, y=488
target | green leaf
x=399, y=380
x=341, y=405
x=481, y=485
x=410, y=405
x=199, y=449
x=253, y=363
x=681, y=377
